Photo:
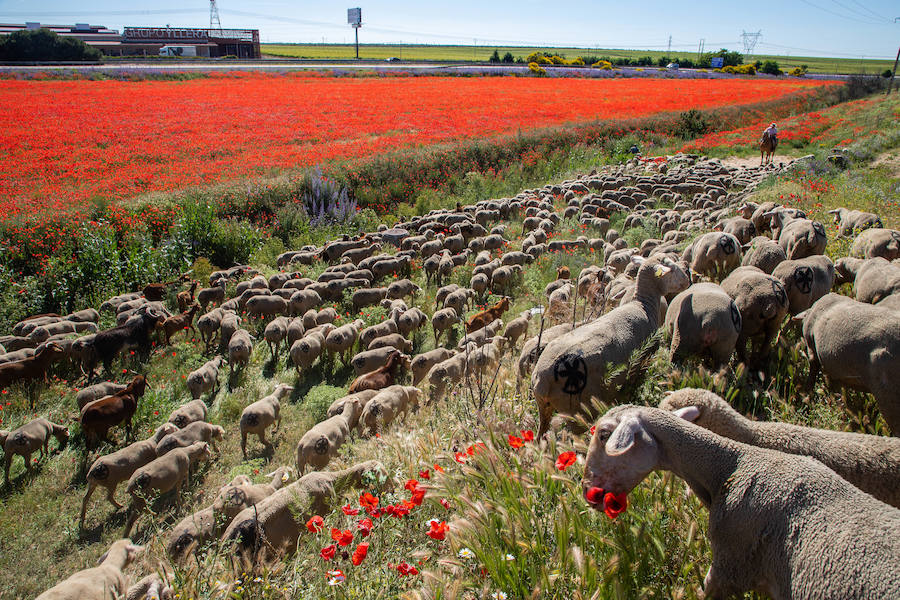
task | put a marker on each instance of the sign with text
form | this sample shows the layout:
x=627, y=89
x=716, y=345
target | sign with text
x=717, y=62
x=165, y=34
x=354, y=16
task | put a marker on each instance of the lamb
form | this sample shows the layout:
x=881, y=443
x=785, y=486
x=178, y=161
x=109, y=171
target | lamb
x=485, y=317
x=31, y=437
x=446, y=374
x=422, y=363
x=306, y=350
x=198, y=431
x=187, y=413
x=870, y=462
x=340, y=340
x=394, y=340
x=381, y=377
x=32, y=367
x=851, y=221
x=321, y=443
x=572, y=368
x=205, y=379
x=805, y=280
x=386, y=406
x=442, y=320
x=97, y=391
x=765, y=254
x=703, y=318
x=165, y=473
x=359, y=400
x=110, y=470
x=858, y=346
x=876, y=242
x=98, y=416
x=782, y=525
x=257, y=417
x=713, y=254
x=763, y=303
x=104, y=582
x=271, y=528
x=275, y=332
x=517, y=327
x=240, y=347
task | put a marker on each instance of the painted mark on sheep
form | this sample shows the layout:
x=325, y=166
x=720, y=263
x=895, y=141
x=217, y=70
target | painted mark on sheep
x=779, y=292
x=571, y=368
x=735, y=316
x=726, y=243
x=321, y=446
x=819, y=229
x=803, y=278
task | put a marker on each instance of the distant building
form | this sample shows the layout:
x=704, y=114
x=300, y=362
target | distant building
x=153, y=41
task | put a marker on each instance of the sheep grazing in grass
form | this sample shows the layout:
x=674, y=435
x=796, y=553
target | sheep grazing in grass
x=30, y=368
x=763, y=304
x=876, y=242
x=386, y=406
x=857, y=345
x=321, y=443
x=340, y=340
x=853, y=221
x=241, y=493
x=782, y=525
x=368, y=334
x=151, y=587
x=165, y=473
x=517, y=328
x=876, y=279
x=572, y=368
x=257, y=417
x=411, y=320
x=422, y=363
x=306, y=350
x=212, y=295
x=870, y=462
x=187, y=413
x=205, y=379
x=198, y=431
x=805, y=280
x=110, y=470
x=713, y=254
x=703, y=319
x=32, y=437
x=802, y=237
x=231, y=324
x=339, y=406
x=275, y=332
x=240, y=347
x=271, y=529
x=394, y=340
x=765, y=254
x=482, y=336
x=104, y=582
x=443, y=320
x=108, y=344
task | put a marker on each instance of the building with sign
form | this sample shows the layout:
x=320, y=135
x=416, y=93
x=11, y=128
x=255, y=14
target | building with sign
x=154, y=41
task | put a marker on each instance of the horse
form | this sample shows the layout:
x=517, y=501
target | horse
x=767, y=145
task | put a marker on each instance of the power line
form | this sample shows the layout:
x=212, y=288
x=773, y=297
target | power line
x=837, y=14
x=828, y=53
x=854, y=10
x=867, y=9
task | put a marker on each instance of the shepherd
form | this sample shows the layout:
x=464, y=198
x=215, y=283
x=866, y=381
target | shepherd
x=768, y=143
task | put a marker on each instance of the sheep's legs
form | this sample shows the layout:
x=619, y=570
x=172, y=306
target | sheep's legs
x=545, y=413
x=244, y=444
x=84, y=503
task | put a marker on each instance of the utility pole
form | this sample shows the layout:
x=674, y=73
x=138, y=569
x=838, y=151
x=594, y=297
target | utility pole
x=894, y=72
x=354, y=18
x=700, y=49
x=669, y=51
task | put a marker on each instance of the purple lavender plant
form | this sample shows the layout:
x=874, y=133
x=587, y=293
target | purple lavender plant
x=327, y=202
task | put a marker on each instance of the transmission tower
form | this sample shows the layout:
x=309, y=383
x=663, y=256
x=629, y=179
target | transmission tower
x=214, y=22
x=669, y=51
x=750, y=40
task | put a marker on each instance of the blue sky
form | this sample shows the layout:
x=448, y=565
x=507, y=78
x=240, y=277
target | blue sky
x=851, y=28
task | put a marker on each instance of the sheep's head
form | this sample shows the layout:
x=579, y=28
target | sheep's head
x=122, y=553
x=621, y=454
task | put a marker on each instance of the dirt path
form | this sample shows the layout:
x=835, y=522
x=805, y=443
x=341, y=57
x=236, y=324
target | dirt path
x=891, y=161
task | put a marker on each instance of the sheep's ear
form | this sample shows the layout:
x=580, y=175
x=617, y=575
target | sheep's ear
x=688, y=413
x=638, y=259
x=661, y=270
x=622, y=438
x=798, y=318
x=133, y=551
x=833, y=212
x=102, y=557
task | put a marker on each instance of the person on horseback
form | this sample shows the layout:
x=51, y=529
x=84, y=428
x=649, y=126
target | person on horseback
x=768, y=143
x=772, y=131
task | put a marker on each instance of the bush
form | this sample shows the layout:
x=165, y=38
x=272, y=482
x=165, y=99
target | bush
x=536, y=69
x=770, y=67
x=691, y=124
x=495, y=57
x=797, y=72
x=557, y=60
x=43, y=45
x=543, y=60
x=602, y=64
x=888, y=73
x=578, y=62
x=509, y=58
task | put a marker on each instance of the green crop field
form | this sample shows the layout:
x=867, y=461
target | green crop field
x=483, y=53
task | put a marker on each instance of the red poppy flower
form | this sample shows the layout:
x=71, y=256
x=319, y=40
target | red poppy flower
x=405, y=569
x=365, y=527
x=594, y=495
x=438, y=468
x=515, y=441
x=401, y=510
x=315, y=524
x=360, y=553
x=461, y=457
x=418, y=495
x=411, y=485
x=438, y=531
x=349, y=510
x=565, y=460
x=368, y=501
x=426, y=474
x=445, y=503
x=328, y=552
x=527, y=435
x=342, y=537
x=593, y=429
x=614, y=504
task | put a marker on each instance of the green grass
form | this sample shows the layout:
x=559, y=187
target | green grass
x=440, y=53
x=503, y=502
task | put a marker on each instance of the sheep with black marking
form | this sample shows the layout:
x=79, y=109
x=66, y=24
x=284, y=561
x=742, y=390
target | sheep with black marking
x=198, y=431
x=703, y=319
x=386, y=406
x=876, y=242
x=853, y=221
x=306, y=350
x=783, y=525
x=765, y=254
x=240, y=347
x=188, y=413
x=714, y=254
x=763, y=304
x=257, y=417
x=805, y=280
x=321, y=443
x=340, y=340
x=32, y=437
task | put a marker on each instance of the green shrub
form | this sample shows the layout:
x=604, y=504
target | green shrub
x=770, y=67
x=691, y=124
x=536, y=69
x=44, y=45
x=319, y=398
x=887, y=74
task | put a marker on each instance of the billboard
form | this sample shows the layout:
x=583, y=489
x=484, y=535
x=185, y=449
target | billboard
x=165, y=35
x=354, y=16
x=717, y=62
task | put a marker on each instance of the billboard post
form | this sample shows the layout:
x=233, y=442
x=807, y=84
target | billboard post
x=354, y=18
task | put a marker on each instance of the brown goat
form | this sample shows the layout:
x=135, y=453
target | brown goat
x=563, y=273
x=99, y=416
x=488, y=316
x=176, y=323
x=381, y=377
x=157, y=291
x=185, y=298
x=33, y=367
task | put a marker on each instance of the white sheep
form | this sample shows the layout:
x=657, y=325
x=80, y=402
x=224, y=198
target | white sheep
x=340, y=340
x=187, y=413
x=701, y=319
x=870, y=462
x=257, y=417
x=306, y=350
x=422, y=363
x=240, y=347
x=198, y=431
x=572, y=368
x=275, y=332
x=205, y=379
x=97, y=391
x=321, y=443
x=782, y=525
x=103, y=582
x=388, y=404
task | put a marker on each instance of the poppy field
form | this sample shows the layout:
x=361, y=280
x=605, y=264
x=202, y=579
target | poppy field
x=67, y=143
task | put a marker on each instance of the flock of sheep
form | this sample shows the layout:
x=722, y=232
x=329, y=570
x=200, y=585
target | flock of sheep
x=794, y=512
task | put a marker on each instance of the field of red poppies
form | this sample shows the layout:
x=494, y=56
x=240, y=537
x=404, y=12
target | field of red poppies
x=64, y=143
